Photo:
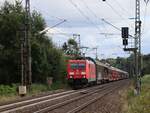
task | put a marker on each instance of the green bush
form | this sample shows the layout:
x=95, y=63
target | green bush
x=57, y=85
x=8, y=90
x=37, y=88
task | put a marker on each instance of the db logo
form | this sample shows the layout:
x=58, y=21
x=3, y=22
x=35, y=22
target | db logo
x=77, y=72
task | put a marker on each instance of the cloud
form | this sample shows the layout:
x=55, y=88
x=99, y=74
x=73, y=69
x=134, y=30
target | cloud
x=88, y=22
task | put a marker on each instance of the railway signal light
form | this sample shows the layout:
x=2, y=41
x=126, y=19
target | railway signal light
x=125, y=42
x=125, y=35
x=125, y=32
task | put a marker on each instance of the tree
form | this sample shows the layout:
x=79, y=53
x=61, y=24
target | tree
x=71, y=48
x=46, y=58
x=125, y=64
x=146, y=64
x=11, y=17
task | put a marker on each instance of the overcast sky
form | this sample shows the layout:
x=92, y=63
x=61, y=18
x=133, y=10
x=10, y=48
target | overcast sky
x=84, y=17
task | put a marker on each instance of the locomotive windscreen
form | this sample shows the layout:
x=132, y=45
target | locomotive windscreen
x=77, y=66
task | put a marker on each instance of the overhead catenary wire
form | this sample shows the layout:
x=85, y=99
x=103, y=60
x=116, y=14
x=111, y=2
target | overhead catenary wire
x=102, y=19
x=146, y=1
x=115, y=11
x=83, y=14
x=51, y=16
x=68, y=35
x=121, y=7
x=111, y=23
x=92, y=12
x=87, y=18
x=145, y=13
x=117, y=28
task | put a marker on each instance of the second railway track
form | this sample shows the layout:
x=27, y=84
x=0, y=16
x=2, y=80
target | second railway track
x=65, y=102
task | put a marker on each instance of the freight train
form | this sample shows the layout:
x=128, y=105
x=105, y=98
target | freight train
x=87, y=71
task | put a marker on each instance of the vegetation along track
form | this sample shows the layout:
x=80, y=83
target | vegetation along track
x=69, y=101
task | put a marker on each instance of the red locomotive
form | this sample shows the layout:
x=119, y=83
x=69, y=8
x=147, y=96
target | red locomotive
x=85, y=71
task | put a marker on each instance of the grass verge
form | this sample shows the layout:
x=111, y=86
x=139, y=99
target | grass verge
x=8, y=93
x=141, y=103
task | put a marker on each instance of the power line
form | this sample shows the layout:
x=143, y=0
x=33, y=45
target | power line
x=114, y=26
x=93, y=13
x=83, y=14
x=144, y=20
x=123, y=9
x=89, y=8
x=101, y=18
x=117, y=28
x=116, y=12
x=59, y=18
x=146, y=1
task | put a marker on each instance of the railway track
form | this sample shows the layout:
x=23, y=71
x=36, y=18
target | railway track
x=33, y=101
x=84, y=107
x=65, y=102
x=19, y=103
x=32, y=97
x=76, y=104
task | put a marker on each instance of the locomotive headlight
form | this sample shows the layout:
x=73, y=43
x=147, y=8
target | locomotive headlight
x=84, y=76
x=83, y=73
x=71, y=73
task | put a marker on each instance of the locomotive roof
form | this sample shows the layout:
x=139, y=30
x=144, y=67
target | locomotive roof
x=76, y=60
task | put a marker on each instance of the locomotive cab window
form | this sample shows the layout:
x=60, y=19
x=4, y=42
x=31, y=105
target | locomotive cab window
x=81, y=66
x=74, y=66
x=77, y=66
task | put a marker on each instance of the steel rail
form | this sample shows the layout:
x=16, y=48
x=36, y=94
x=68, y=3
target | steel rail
x=79, y=108
x=66, y=102
x=28, y=103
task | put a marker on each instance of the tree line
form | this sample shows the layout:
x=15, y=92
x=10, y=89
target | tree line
x=47, y=59
x=127, y=64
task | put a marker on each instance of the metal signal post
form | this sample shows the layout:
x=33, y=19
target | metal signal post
x=25, y=51
x=137, y=48
x=137, y=45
